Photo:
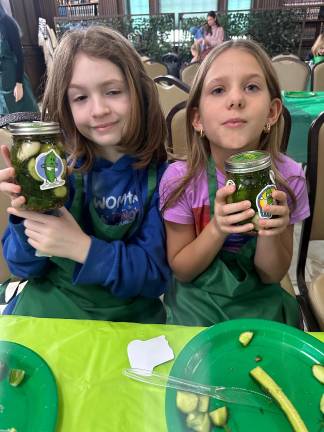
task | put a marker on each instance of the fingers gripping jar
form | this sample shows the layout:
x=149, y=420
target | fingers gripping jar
x=254, y=180
x=37, y=154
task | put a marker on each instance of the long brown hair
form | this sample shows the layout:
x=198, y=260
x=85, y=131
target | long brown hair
x=144, y=137
x=198, y=148
x=213, y=15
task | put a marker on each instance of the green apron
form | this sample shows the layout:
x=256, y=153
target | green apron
x=318, y=59
x=229, y=288
x=8, y=81
x=54, y=295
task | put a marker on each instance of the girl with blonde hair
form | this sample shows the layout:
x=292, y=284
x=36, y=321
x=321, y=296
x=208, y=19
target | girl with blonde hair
x=318, y=49
x=222, y=268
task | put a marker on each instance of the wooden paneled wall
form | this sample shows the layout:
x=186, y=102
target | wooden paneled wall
x=47, y=9
x=111, y=7
x=267, y=4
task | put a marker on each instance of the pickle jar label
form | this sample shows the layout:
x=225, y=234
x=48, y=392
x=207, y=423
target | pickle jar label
x=230, y=183
x=263, y=199
x=50, y=167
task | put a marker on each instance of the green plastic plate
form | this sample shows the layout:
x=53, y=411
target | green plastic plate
x=216, y=357
x=299, y=94
x=32, y=405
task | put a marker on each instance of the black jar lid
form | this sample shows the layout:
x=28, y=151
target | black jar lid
x=34, y=128
x=249, y=161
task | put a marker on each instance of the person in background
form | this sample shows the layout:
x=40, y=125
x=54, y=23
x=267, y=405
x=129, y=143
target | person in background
x=15, y=91
x=223, y=269
x=105, y=251
x=213, y=34
x=195, y=52
x=318, y=49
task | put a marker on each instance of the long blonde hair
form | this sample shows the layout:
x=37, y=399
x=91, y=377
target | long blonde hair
x=196, y=47
x=198, y=148
x=318, y=44
x=145, y=133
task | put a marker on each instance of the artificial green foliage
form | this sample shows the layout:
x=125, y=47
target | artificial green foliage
x=235, y=24
x=151, y=35
x=64, y=24
x=121, y=23
x=276, y=30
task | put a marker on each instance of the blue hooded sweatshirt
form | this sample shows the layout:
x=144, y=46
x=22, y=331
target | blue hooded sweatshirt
x=131, y=267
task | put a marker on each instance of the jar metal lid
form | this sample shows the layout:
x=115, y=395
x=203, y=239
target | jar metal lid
x=249, y=161
x=34, y=128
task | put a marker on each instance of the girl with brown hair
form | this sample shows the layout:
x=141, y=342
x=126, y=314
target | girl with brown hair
x=107, y=246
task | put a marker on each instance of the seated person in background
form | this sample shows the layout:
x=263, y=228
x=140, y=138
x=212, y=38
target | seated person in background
x=195, y=52
x=213, y=34
x=318, y=49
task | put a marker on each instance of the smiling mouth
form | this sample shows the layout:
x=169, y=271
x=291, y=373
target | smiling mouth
x=105, y=126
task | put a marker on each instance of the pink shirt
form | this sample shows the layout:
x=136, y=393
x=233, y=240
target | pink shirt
x=216, y=37
x=193, y=207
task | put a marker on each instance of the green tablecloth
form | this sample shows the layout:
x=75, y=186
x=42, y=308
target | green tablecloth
x=87, y=359
x=303, y=111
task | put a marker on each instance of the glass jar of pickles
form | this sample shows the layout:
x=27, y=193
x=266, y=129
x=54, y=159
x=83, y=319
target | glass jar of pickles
x=254, y=180
x=37, y=154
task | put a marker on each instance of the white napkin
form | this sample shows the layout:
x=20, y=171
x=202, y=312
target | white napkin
x=149, y=353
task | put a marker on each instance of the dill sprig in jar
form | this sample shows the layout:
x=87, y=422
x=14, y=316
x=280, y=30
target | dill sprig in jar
x=38, y=156
x=254, y=180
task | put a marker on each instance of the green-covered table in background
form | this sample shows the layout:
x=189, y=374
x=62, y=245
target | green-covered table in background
x=304, y=107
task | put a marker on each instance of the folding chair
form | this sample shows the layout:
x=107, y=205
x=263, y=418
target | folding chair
x=176, y=127
x=154, y=69
x=171, y=92
x=311, y=296
x=52, y=36
x=47, y=40
x=285, y=56
x=284, y=129
x=188, y=72
x=293, y=74
x=317, y=77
